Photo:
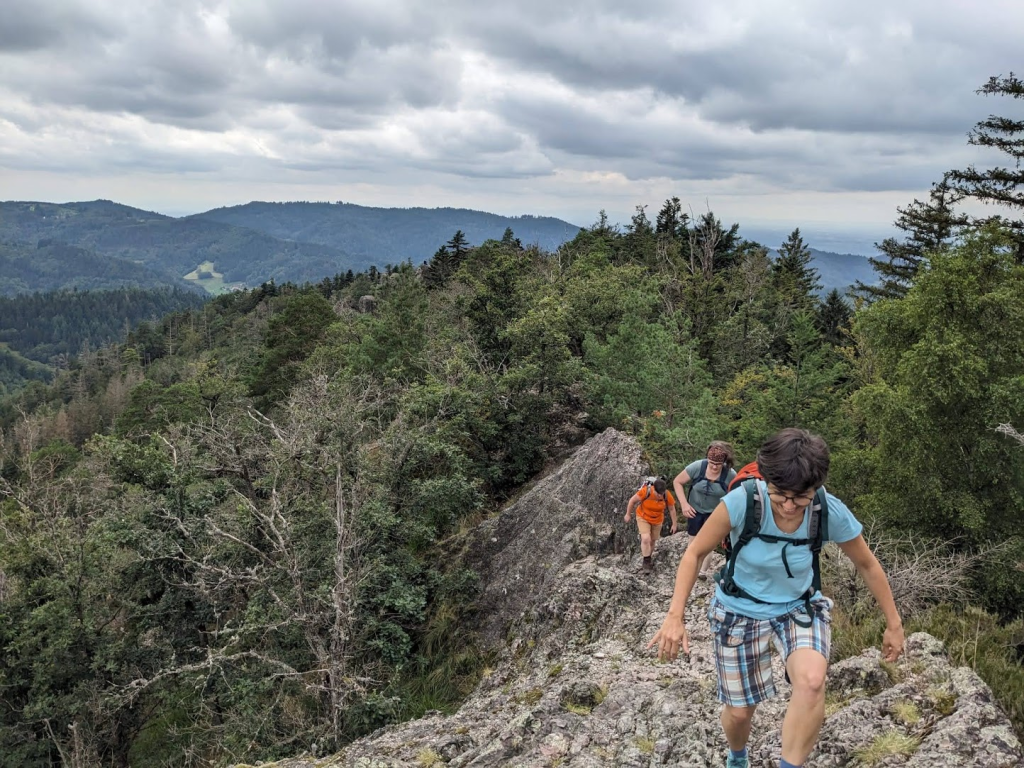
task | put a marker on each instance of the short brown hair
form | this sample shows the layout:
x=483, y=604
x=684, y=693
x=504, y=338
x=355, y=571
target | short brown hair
x=794, y=460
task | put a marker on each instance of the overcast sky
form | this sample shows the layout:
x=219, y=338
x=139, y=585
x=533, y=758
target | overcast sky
x=799, y=112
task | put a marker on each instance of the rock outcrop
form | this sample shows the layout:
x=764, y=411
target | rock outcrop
x=574, y=686
x=569, y=514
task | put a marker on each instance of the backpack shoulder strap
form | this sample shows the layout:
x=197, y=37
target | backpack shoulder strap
x=754, y=511
x=722, y=478
x=817, y=533
x=752, y=515
x=701, y=473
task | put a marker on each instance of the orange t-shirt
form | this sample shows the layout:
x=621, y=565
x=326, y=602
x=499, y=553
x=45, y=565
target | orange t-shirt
x=652, y=508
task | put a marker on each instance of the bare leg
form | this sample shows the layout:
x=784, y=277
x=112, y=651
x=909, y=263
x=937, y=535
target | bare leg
x=649, y=535
x=736, y=724
x=646, y=544
x=703, y=572
x=704, y=564
x=806, y=710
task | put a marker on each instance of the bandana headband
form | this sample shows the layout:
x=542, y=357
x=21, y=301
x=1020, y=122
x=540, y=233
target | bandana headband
x=717, y=454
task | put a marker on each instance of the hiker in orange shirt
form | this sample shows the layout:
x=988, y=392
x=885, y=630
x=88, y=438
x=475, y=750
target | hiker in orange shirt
x=650, y=504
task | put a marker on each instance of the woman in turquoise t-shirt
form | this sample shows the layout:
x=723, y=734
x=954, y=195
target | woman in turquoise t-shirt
x=775, y=600
x=709, y=480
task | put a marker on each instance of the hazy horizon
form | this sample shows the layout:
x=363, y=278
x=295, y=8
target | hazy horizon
x=823, y=236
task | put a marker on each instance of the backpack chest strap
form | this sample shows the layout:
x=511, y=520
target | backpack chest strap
x=786, y=543
x=817, y=534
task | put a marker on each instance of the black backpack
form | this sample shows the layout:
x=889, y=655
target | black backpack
x=817, y=533
x=702, y=475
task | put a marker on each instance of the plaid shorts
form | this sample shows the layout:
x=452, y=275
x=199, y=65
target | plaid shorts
x=743, y=648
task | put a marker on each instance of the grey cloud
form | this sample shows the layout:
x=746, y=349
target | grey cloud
x=29, y=26
x=822, y=95
x=178, y=65
x=331, y=32
x=412, y=76
x=774, y=72
x=641, y=148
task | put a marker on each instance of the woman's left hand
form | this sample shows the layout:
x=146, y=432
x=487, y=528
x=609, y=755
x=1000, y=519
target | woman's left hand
x=892, y=643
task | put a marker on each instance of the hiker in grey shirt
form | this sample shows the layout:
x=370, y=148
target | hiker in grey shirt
x=709, y=480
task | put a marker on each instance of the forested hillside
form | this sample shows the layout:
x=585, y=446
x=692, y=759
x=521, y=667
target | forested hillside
x=231, y=535
x=101, y=244
x=174, y=247
x=49, y=266
x=41, y=332
x=389, y=235
x=841, y=270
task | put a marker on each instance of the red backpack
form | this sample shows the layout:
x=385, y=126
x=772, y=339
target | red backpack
x=748, y=471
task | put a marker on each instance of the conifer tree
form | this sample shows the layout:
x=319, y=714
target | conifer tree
x=638, y=243
x=833, y=318
x=948, y=361
x=671, y=220
x=794, y=277
x=999, y=186
x=929, y=226
x=458, y=247
x=510, y=239
x=713, y=248
x=602, y=226
x=439, y=269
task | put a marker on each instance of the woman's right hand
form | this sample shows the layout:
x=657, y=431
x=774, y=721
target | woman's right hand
x=671, y=638
x=688, y=511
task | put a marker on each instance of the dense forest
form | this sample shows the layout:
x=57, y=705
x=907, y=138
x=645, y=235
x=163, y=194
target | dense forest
x=41, y=332
x=226, y=538
x=50, y=266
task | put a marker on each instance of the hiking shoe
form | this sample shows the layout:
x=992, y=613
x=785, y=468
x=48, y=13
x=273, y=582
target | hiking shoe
x=737, y=762
x=648, y=565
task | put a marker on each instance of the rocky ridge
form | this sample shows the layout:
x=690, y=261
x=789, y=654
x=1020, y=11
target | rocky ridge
x=574, y=685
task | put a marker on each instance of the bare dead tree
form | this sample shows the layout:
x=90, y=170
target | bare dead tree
x=920, y=573
x=1009, y=431
x=294, y=477
x=704, y=240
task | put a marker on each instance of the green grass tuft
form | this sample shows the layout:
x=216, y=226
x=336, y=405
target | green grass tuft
x=428, y=758
x=645, y=745
x=888, y=744
x=906, y=712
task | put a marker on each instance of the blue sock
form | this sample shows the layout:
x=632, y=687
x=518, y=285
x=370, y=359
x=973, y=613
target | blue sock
x=741, y=753
x=784, y=764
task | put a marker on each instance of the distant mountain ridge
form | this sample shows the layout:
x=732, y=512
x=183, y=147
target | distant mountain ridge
x=174, y=247
x=250, y=244
x=389, y=235
x=841, y=270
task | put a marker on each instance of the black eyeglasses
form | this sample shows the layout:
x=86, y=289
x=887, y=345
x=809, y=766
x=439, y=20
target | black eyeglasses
x=799, y=500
